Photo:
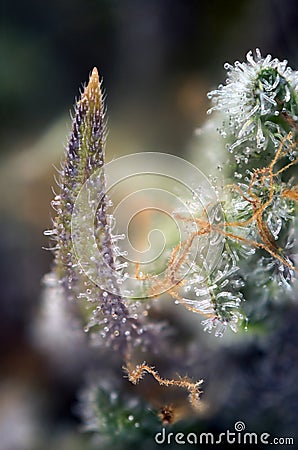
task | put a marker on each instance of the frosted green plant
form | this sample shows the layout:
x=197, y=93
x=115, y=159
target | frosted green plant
x=217, y=296
x=259, y=99
x=259, y=106
x=259, y=103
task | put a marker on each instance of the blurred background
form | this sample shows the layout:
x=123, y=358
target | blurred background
x=158, y=59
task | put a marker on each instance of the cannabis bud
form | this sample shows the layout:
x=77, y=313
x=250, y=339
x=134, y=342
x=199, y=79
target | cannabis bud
x=83, y=171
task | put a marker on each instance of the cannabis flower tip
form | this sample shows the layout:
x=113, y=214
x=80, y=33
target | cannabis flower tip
x=258, y=98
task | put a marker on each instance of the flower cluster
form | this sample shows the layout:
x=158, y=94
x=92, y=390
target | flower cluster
x=217, y=296
x=259, y=103
x=259, y=99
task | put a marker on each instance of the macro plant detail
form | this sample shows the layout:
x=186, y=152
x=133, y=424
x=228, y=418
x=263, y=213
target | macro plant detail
x=137, y=373
x=223, y=247
x=84, y=155
x=260, y=102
